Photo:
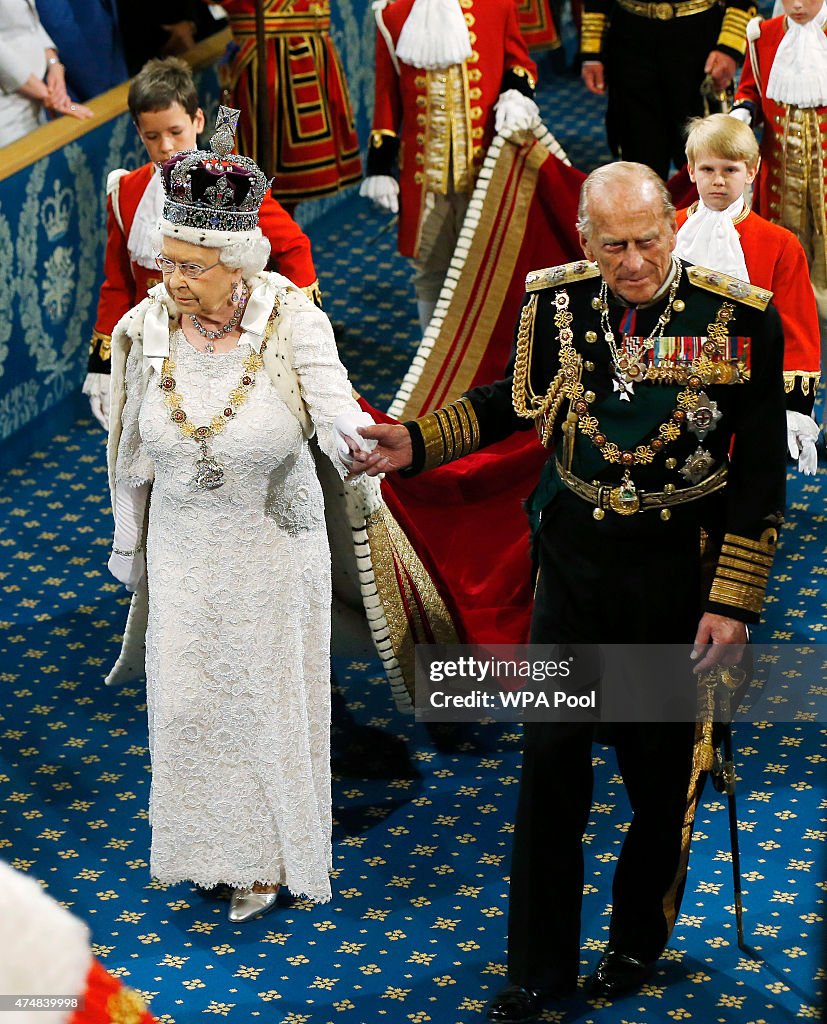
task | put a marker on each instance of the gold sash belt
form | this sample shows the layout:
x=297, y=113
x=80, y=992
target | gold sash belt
x=666, y=11
x=601, y=495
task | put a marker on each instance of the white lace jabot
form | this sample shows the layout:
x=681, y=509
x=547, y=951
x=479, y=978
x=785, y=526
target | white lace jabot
x=709, y=238
x=145, y=222
x=434, y=35
x=799, y=71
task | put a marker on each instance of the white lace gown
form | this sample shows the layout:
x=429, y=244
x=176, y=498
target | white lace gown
x=238, y=677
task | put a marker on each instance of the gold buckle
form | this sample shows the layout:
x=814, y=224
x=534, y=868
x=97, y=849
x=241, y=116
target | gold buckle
x=622, y=502
x=663, y=11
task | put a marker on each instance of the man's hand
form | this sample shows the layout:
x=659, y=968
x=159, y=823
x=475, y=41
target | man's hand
x=594, y=77
x=393, y=451
x=721, y=68
x=719, y=641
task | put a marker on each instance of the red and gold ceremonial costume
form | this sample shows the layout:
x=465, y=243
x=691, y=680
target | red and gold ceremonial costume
x=776, y=261
x=316, y=151
x=127, y=278
x=792, y=179
x=440, y=122
x=537, y=24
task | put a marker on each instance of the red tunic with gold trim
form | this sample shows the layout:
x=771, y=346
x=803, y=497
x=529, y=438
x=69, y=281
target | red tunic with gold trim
x=776, y=261
x=126, y=282
x=316, y=151
x=792, y=180
x=445, y=118
x=537, y=24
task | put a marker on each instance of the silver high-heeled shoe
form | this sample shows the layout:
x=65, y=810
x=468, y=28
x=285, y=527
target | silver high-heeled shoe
x=246, y=905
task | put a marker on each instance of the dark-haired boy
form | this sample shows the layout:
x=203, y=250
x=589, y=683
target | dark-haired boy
x=164, y=106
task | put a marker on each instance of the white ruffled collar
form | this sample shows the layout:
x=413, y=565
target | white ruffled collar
x=144, y=223
x=709, y=238
x=265, y=291
x=435, y=35
x=798, y=75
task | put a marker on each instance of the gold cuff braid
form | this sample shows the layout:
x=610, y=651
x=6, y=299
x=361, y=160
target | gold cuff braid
x=593, y=28
x=314, y=293
x=449, y=433
x=743, y=571
x=733, y=32
x=101, y=345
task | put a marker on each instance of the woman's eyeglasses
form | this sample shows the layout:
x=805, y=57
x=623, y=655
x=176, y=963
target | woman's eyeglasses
x=190, y=270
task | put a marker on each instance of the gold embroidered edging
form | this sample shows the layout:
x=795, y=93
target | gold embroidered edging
x=731, y=287
x=733, y=32
x=743, y=571
x=101, y=345
x=314, y=293
x=449, y=433
x=400, y=579
x=808, y=378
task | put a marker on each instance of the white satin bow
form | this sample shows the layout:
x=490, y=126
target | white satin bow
x=260, y=304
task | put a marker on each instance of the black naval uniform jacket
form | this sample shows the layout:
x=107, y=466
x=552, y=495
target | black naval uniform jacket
x=654, y=55
x=725, y=344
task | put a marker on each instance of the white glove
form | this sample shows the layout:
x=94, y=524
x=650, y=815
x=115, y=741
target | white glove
x=742, y=114
x=802, y=434
x=127, y=563
x=96, y=387
x=383, y=190
x=515, y=112
x=346, y=426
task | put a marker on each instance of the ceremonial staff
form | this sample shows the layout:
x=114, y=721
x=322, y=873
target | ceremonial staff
x=722, y=772
x=264, y=127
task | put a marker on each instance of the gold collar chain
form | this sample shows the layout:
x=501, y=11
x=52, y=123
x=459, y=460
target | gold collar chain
x=208, y=473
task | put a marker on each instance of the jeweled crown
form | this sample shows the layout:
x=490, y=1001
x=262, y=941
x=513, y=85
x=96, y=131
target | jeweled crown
x=214, y=189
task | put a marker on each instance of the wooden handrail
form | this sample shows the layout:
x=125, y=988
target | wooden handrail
x=58, y=133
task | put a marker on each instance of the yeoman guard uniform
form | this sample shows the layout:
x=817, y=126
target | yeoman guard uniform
x=434, y=115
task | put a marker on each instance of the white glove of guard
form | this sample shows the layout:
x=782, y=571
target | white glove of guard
x=127, y=563
x=741, y=114
x=96, y=388
x=802, y=434
x=346, y=426
x=514, y=112
x=383, y=190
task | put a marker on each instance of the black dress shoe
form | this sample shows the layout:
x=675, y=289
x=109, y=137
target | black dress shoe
x=619, y=973
x=516, y=1004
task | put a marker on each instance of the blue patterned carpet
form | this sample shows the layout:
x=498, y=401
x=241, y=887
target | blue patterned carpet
x=416, y=929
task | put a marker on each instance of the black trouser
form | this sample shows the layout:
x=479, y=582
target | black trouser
x=654, y=71
x=612, y=582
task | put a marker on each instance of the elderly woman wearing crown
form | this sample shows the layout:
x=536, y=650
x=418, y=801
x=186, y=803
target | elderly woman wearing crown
x=219, y=378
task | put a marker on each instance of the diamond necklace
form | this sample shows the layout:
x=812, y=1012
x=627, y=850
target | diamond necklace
x=631, y=359
x=231, y=324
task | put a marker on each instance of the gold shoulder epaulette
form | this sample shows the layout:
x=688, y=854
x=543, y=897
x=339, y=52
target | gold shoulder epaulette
x=551, y=277
x=731, y=287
